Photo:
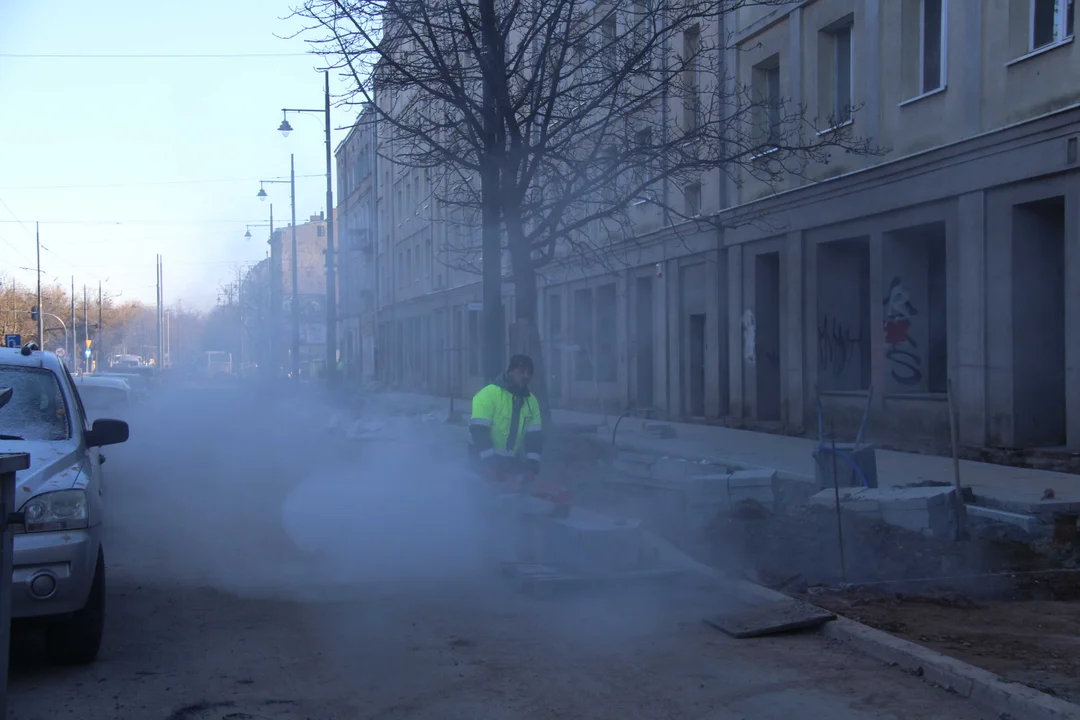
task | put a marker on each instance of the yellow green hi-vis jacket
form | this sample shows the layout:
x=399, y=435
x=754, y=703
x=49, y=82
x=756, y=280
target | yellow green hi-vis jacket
x=506, y=421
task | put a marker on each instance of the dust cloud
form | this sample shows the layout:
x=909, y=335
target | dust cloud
x=264, y=496
x=254, y=493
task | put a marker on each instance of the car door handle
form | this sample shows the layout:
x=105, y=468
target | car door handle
x=101, y=458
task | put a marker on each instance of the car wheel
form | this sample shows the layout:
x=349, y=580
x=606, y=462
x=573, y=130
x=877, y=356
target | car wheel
x=76, y=641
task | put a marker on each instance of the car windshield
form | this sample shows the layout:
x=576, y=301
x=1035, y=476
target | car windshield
x=37, y=410
x=218, y=357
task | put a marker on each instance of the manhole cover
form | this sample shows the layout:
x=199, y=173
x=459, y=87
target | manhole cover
x=246, y=710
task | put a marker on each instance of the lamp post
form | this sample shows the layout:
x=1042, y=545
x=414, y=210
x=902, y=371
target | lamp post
x=331, y=281
x=295, y=304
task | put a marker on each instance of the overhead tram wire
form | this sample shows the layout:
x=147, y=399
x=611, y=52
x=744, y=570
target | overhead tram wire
x=94, y=186
x=148, y=56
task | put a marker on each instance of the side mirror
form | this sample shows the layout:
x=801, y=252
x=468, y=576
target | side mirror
x=107, y=432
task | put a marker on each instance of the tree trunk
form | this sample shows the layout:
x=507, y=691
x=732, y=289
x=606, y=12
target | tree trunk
x=526, y=335
x=491, y=235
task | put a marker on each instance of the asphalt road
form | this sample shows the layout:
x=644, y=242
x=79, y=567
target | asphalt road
x=262, y=569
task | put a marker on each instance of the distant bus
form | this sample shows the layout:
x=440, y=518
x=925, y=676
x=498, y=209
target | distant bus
x=217, y=362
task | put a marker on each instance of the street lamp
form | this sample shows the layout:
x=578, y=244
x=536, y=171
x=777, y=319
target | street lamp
x=331, y=282
x=295, y=305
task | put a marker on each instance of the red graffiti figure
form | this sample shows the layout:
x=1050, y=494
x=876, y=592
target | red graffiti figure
x=902, y=349
x=896, y=330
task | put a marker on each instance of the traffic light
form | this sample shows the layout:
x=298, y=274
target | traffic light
x=34, y=313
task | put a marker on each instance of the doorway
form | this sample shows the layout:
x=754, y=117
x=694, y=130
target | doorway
x=767, y=335
x=1038, y=308
x=696, y=385
x=644, y=328
x=555, y=339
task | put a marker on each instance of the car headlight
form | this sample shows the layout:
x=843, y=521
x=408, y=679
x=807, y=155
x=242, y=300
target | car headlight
x=60, y=510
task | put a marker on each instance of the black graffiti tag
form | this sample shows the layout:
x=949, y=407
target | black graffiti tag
x=836, y=344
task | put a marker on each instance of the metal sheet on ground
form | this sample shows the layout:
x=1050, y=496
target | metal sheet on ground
x=768, y=619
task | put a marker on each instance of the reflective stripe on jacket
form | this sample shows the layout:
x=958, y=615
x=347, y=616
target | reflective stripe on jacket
x=505, y=422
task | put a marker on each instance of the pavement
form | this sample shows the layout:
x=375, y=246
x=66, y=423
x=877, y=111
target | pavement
x=262, y=567
x=1009, y=488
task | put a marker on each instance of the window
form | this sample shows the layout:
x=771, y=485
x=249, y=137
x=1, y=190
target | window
x=691, y=78
x=320, y=231
x=841, y=109
x=1051, y=21
x=37, y=410
x=607, y=351
x=770, y=105
x=931, y=45
x=583, y=334
x=608, y=30
x=693, y=200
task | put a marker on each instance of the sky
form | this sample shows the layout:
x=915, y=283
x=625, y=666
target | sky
x=123, y=158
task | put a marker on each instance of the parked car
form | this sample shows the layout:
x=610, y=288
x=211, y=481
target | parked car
x=104, y=396
x=58, y=574
x=139, y=385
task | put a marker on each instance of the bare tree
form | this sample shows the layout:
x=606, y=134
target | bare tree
x=548, y=124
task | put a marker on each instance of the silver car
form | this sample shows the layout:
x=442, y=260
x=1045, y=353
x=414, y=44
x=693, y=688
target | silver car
x=59, y=564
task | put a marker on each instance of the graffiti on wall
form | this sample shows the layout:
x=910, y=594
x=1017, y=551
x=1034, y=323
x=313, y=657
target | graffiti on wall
x=749, y=337
x=901, y=350
x=837, y=344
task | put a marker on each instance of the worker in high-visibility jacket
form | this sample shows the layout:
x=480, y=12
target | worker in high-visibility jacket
x=506, y=431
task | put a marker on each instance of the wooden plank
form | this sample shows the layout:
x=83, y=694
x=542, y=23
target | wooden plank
x=782, y=616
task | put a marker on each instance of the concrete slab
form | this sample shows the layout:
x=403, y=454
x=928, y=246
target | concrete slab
x=590, y=542
x=930, y=510
x=1028, y=523
x=777, y=617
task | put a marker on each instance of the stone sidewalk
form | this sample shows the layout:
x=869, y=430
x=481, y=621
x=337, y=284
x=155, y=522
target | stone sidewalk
x=1009, y=488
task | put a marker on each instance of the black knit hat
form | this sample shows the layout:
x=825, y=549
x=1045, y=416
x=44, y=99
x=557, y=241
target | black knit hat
x=520, y=361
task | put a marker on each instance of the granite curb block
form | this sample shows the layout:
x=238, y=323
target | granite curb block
x=1012, y=700
x=787, y=475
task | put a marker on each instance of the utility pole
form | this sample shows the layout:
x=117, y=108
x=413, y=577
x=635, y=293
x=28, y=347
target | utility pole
x=159, y=311
x=74, y=330
x=40, y=317
x=240, y=309
x=295, y=277
x=86, y=326
x=100, y=324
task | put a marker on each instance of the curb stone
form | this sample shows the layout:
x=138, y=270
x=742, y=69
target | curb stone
x=1012, y=701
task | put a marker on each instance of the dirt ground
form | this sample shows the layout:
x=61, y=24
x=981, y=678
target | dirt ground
x=1001, y=601
x=1033, y=642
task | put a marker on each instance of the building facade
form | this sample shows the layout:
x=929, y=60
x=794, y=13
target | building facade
x=947, y=261
x=311, y=294
x=357, y=278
